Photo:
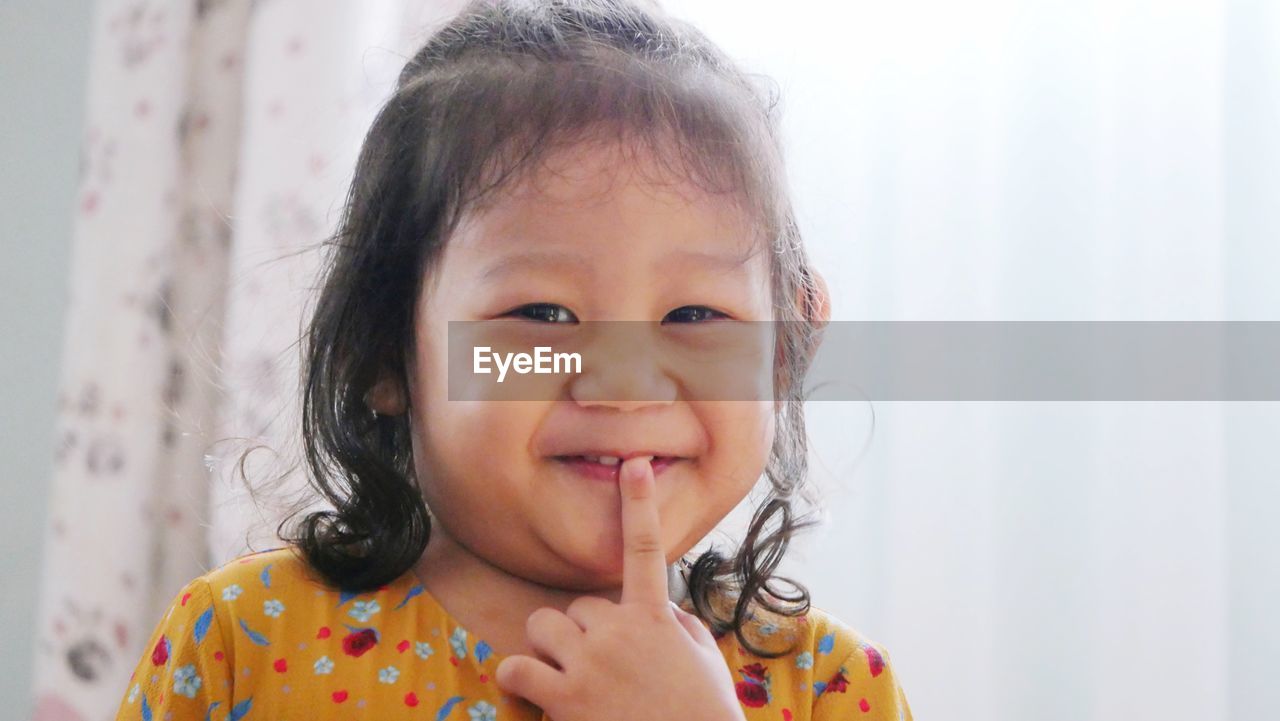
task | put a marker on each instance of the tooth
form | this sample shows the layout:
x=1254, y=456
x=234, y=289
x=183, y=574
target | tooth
x=609, y=460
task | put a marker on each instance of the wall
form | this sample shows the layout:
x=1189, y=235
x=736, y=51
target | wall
x=43, y=71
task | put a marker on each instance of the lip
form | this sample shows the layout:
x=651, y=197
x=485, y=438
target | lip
x=617, y=453
x=601, y=472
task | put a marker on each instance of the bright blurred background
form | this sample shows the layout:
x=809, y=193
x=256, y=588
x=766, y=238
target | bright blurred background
x=990, y=160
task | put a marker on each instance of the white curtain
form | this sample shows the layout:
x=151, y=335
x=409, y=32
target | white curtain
x=951, y=161
x=996, y=160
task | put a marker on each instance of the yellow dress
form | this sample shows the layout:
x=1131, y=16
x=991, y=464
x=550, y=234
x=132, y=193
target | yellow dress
x=261, y=638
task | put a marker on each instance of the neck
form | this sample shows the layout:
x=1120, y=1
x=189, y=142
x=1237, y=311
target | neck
x=487, y=600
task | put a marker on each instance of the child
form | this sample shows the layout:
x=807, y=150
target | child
x=546, y=164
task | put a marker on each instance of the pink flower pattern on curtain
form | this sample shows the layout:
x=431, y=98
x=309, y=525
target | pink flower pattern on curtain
x=219, y=139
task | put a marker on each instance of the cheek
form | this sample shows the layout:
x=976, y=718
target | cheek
x=458, y=433
x=741, y=435
x=473, y=437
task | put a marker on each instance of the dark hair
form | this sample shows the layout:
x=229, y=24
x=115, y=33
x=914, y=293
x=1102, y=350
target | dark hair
x=491, y=94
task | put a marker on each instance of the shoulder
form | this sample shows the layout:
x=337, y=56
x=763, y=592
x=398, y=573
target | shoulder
x=840, y=651
x=280, y=570
x=817, y=641
x=210, y=600
x=852, y=675
x=256, y=592
x=820, y=656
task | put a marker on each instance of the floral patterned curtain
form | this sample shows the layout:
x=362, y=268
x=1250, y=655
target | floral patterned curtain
x=218, y=142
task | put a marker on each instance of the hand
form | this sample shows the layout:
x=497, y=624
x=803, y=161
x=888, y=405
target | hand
x=638, y=660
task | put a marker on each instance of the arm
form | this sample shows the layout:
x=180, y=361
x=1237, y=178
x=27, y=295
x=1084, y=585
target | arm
x=864, y=687
x=184, y=669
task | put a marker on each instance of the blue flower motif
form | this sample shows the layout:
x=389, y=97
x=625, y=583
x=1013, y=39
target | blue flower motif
x=273, y=608
x=768, y=629
x=483, y=711
x=323, y=665
x=388, y=674
x=232, y=592
x=458, y=642
x=423, y=650
x=362, y=611
x=804, y=660
x=185, y=681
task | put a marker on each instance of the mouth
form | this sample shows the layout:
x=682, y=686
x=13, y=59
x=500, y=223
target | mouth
x=607, y=468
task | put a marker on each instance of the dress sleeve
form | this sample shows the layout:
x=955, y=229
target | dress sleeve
x=184, y=670
x=864, y=687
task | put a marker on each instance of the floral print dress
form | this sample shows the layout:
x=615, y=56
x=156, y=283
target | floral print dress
x=262, y=638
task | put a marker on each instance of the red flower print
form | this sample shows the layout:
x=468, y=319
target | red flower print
x=411, y=699
x=874, y=660
x=753, y=690
x=752, y=694
x=339, y=696
x=838, y=683
x=357, y=642
x=402, y=646
x=281, y=665
x=323, y=632
x=161, y=653
x=864, y=705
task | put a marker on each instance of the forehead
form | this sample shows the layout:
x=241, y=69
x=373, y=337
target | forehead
x=595, y=195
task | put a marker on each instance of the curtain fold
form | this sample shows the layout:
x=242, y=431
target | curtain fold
x=219, y=138
x=129, y=495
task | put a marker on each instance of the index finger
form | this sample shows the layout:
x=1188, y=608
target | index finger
x=644, y=560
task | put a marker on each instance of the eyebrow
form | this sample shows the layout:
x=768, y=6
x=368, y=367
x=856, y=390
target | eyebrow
x=717, y=262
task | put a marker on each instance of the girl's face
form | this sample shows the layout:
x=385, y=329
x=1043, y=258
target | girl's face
x=593, y=241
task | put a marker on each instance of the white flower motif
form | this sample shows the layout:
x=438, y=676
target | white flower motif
x=133, y=692
x=423, y=650
x=804, y=660
x=185, y=681
x=389, y=674
x=273, y=608
x=324, y=665
x=232, y=592
x=483, y=711
x=362, y=611
x=458, y=642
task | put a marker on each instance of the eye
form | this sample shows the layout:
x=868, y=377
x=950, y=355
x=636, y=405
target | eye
x=545, y=312
x=694, y=314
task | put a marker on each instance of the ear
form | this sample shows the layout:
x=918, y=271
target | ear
x=815, y=303
x=821, y=301
x=386, y=397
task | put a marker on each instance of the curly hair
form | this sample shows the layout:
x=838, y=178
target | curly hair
x=493, y=92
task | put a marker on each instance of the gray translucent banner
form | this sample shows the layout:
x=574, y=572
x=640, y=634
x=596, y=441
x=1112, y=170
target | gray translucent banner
x=867, y=360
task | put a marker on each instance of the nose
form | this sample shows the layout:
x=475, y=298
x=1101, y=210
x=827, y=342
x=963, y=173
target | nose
x=621, y=369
